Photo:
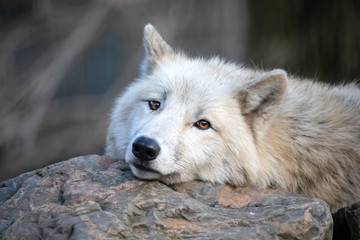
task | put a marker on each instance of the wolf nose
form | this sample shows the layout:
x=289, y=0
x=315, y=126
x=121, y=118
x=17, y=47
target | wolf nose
x=145, y=149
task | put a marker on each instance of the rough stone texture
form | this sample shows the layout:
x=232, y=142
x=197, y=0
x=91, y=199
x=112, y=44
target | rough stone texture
x=97, y=197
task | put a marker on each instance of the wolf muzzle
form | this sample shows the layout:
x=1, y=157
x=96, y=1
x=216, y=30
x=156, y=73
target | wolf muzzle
x=145, y=149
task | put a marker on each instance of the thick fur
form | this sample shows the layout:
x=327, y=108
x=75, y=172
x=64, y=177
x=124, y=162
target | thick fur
x=268, y=129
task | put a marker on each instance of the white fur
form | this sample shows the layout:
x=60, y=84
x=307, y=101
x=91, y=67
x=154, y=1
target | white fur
x=268, y=129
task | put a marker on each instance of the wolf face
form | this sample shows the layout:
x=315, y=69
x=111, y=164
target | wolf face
x=192, y=118
x=188, y=118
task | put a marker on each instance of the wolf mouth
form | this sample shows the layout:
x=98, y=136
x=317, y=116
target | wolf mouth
x=143, y=168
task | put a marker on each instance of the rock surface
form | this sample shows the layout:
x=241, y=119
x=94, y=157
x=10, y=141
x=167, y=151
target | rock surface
x=97, y=197
x=347, y=222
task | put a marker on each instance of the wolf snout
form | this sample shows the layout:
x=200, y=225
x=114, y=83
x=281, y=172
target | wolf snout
x=145, y=149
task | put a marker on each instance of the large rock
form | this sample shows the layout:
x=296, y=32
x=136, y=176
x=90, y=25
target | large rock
x=97, y=197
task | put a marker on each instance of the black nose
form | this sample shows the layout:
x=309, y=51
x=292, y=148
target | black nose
x=145, y=149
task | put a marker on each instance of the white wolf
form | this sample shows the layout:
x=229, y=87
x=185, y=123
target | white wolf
x=194, y=118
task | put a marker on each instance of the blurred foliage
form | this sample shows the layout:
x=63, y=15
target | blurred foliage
x=62, y=62
x=312, y=38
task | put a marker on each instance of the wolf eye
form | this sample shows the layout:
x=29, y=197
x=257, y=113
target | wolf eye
x=154, y=105
x=202, y=124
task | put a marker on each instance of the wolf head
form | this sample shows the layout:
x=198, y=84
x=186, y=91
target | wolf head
x=192, y=118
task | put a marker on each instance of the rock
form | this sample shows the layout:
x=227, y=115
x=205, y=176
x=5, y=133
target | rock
x=97, y=197
x=347, y=223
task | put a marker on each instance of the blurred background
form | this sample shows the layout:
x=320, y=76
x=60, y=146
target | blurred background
x=63, y=62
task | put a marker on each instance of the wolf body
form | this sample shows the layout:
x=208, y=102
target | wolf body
x=190, y=118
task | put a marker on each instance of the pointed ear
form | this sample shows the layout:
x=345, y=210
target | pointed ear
x=263, y=97
x=155, y=49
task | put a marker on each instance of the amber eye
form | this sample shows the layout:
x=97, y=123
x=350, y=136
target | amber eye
x=202, y=124
x=154, y=105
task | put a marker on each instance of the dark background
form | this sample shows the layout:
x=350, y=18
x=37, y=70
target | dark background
x=62, y=62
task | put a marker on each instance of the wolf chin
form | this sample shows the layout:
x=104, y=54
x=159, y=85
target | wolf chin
x=189, y=118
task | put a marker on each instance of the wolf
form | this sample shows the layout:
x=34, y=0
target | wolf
x=189, y=118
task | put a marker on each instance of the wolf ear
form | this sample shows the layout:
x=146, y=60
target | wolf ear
x=261, y=99
x=155, y=49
